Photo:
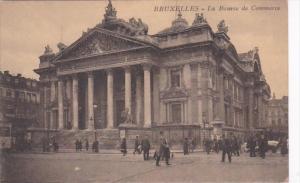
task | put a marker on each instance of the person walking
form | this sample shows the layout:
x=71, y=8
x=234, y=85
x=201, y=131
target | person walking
x=235, y=145
x=87, y=145
x=283, y=146
x=80, y=145
x=95, y=146
x=263, y=144
x=226, y=149
x=146, y=148
x=136, y=145
x=77, y=145
x=207, y=144
x=164, y=151
x=251, y=144
x=185, y=146
x=193, y=144
x=124, y=146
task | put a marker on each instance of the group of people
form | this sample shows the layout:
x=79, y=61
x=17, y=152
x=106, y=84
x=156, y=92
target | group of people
x=139, y=147
x=79, y=145
x=162, y=151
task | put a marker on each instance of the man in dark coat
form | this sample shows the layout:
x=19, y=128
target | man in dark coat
x=207, y=144
x=226, y=149
x=146, y=148
x=263, y=145
x=87, y=145
x=124, y=146
x=236, y=149
x=77, y=145
x=251, y=144
x=96, y=146
x=164, y=150
x=186, y=146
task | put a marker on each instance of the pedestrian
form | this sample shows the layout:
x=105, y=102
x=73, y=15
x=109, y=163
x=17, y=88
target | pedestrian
x=80, y=145
x=185, y=146
x=283, y=146
x=263, y=145
x=136, y=145
x=124, y=146
x=146, y=148
x=167, y=152
x=87, y=145
x=96, y=146
x=251, y=144
x=163, y=150
x=226, y=149
x=235, y=145
x=207, y=144
x=193, y=144
x=77, y=145
x=215, y=145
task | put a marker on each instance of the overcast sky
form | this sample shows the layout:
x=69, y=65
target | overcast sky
x=26, y=27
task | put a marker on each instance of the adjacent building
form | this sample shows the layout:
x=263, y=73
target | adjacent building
x=185, y=80
x=19, y=105
x=278, y=114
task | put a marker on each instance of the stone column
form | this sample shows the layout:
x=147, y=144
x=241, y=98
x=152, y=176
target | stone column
x=128, y=88
x=60, y=105
x=90, y=101
x=52, y=91
x=147, y=95
x=68, y=88
x=138, y=99
x=250, y=107
x=110, y=99
x=75, y=102
x=221, y=107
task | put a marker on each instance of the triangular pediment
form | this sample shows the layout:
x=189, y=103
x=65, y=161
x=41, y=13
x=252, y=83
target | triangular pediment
x=97, y=42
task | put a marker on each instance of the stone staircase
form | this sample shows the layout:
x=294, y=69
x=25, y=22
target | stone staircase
x=108, y=138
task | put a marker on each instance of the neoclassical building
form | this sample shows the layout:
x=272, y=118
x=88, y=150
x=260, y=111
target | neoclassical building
x=117, y=77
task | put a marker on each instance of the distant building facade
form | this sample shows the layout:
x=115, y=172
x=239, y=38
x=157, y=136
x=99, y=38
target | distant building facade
x=19, y=104
x=116, y=76
x=278, y=114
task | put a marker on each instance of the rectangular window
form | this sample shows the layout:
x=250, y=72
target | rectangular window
x=8, y=93
x=33, y=98
x=175, y=78
x=176, y=112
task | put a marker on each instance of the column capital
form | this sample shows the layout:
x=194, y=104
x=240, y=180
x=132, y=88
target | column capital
x=109, y=71
x=74, y=76
x=147, y=66
x=90, y=74
x=127, y=68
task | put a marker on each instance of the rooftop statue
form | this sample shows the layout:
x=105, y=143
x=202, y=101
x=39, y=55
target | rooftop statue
x=110, y=12
x=61, y=46
x=48, y=50
x=222, y=27
x=199, y=19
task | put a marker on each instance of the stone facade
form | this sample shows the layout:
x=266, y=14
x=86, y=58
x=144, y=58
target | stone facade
x=278, y=114
x=117, y=76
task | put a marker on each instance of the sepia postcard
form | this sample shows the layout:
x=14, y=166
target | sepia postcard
x=144, y=91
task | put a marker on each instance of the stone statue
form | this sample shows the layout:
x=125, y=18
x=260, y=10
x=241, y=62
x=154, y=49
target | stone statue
x=126, y=117
x=61, y=46
x=199, y=19
x=222, y=27
x=110, y=12
x=143, y=26
x=133, y=22
x=48, y=50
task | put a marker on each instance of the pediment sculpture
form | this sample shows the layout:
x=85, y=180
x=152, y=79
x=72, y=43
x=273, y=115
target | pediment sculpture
x=222, y=27
x=199, y=19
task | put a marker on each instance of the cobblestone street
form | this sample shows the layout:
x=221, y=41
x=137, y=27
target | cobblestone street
x=96, y=168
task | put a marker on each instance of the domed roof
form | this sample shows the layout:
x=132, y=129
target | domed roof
x=178, y=24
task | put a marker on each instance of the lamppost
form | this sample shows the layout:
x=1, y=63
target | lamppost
x=95, y=106
x=205, y=123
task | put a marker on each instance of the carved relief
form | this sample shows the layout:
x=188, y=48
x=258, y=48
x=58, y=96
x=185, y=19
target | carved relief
x=99, y=43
